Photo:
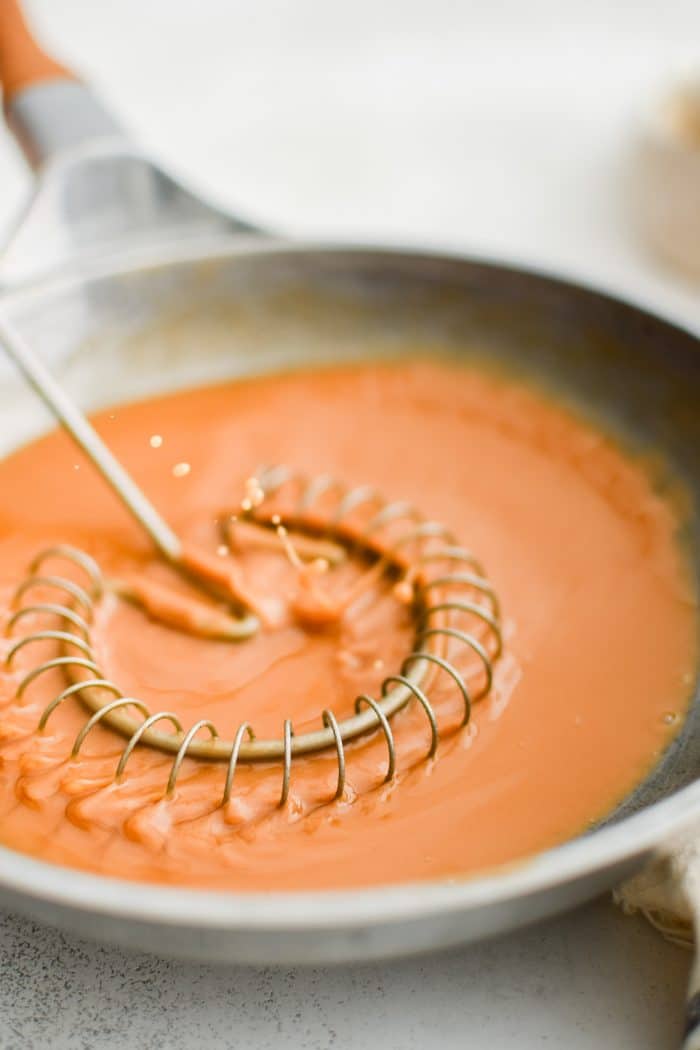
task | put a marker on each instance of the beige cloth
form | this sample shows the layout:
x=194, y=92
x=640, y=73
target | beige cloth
x=667, y=892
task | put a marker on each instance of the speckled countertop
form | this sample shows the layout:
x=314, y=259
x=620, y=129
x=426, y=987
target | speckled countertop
x=591, y=980
x=499, y=128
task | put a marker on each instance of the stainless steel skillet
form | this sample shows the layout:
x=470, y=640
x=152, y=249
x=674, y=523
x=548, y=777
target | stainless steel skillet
x=111, y=248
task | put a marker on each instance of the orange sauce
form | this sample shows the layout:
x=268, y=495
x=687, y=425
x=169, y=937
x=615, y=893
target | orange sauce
x=599, y=619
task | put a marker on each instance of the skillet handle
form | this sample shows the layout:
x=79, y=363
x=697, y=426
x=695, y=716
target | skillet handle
x=46, y=106
x=97, y=191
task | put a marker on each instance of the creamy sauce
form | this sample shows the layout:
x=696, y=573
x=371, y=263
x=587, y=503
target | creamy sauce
x=598, y=611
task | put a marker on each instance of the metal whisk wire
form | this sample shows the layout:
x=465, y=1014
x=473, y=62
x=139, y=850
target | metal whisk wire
x=364, y=523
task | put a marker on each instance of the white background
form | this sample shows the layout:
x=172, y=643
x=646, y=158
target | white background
x=504, y=128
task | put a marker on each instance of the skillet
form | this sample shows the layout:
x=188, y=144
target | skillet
x=110, y=247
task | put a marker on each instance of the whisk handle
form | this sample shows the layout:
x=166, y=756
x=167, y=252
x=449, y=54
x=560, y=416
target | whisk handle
x=84, y=434
x=46, y=105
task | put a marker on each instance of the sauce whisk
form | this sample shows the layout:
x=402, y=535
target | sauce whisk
x=442, y=583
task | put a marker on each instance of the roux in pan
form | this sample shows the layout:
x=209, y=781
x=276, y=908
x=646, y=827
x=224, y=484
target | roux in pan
x=599, y=624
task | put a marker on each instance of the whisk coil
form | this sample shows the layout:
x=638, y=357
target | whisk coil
x=463, y=591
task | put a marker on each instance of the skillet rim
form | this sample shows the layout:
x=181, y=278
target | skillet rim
x=626, y=841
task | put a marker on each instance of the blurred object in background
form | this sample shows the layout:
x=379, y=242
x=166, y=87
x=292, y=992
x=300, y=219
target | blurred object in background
x=668, y=178
x=498, y=129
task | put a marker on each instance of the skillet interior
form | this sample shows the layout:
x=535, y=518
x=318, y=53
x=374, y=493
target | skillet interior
x=157, y=328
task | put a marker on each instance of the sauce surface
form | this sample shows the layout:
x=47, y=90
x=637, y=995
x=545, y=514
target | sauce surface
x=598, y=613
